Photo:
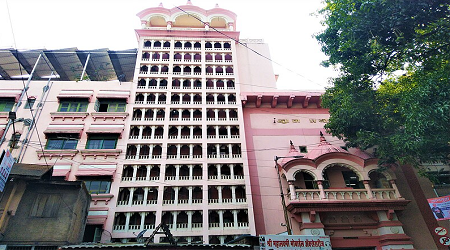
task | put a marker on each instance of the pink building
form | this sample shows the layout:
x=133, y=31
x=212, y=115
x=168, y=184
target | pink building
x=187, y=136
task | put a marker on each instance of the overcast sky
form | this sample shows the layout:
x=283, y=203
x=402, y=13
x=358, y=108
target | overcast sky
x=287, y=26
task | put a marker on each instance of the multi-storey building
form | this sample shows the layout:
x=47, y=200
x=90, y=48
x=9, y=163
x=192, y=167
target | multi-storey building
x=187, y=136
x=185, y=162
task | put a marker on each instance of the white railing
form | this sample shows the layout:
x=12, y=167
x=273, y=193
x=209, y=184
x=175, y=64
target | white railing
x=119, y=227
x=213, y=201
x=242, y=224
x=214, y=224
x=122, y=203
x=168, y=202
x=152, y=202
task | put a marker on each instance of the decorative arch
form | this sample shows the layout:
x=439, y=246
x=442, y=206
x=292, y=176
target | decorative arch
x=353, y=168
x=388, y=174
x=218, y=22
x=188, y=20
x=157, y=20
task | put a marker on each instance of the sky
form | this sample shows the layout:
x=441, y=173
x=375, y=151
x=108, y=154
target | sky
x=288, y=26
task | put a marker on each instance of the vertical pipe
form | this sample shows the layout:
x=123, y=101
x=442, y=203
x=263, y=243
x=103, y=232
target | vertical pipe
x=85, y=66
x=283, y=203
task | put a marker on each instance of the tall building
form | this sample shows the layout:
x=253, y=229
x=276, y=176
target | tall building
x=185, y=162
x=184, y=131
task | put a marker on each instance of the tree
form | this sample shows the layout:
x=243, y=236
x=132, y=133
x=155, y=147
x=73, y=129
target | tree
x=393, y=91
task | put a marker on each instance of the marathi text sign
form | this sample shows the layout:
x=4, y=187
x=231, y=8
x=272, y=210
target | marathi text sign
x=440, y=207
x=7, y=161
x=291, y=242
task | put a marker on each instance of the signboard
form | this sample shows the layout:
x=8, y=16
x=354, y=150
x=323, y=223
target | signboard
x=445, y=241
x=440, y=207
x=294, y=242
x=6, y=163
x=440, y=231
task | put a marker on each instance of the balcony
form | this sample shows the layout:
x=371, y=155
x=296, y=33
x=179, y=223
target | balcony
x=345, y=199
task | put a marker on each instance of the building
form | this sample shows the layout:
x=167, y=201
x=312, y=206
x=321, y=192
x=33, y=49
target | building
x=184, y=130
x=38, y=212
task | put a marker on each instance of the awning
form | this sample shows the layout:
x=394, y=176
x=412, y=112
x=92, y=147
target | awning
x=61, y=170
x=96, y=170
x=114, y=94
x=64, y=129
x=105, y=129
x=87, y=94
x=11, y=93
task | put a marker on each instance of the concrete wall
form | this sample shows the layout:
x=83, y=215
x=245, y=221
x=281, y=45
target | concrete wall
x=66, y=227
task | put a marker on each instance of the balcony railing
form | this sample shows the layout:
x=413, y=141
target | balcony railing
x=345, y=194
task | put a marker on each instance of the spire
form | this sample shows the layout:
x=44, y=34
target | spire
x=189, y=2
x=161, y=5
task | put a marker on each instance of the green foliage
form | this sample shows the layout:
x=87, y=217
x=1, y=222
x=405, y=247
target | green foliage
x=407, y=117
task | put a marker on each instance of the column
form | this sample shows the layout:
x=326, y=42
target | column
x=191, y=132
x=134, y=172
x=216, y=114
x=235, y=218
x=145, y=196
x=191, y=114
x=180, y=116
x=217, y=131
x=176, y=194
x=226, y=98
x=174, y=214
x=179, y=128
x=220, y=219
x=293, y=195
x=155, y=112
x=321, y=190
x=153, y=132
x=218, y=150
x=143, y=114
x=229, y=131
x=143, y=214
x=147, y=174
x=227, y=112
x=230, y=150
x=219, y=189
x=156, y=98
x=233, y=194
x=151, y=150
x=191, y=155
x=189, y=214
x=394, y=186
x=232, y=171
x=178, y=151
x=138, y=150
x=127, y=221
x=177, y=172
x=141, y=129
x=369, y=190
x=190, y=195
x=130, y=199
x=191, y=169
x=145, y=98
x=218, y=171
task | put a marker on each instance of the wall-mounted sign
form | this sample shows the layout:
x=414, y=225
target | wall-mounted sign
x=311, y=120
x=6, y=163
x=294, y=242
x=440, y=207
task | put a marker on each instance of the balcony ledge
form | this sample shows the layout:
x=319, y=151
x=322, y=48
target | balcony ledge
x=109, y=115
x=100, y=152
x=101, y=197
x=69, y=115
x=57, y=153
x=328, y=205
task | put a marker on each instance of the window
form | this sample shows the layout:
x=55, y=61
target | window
x=62, y=141
x=351, y=179
x=110, y=105
x=102, y=141
x=98, y=185
x=73, y=105
x=303, y=149
x=93, y=233
x=45, y=205
x=6, y=104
